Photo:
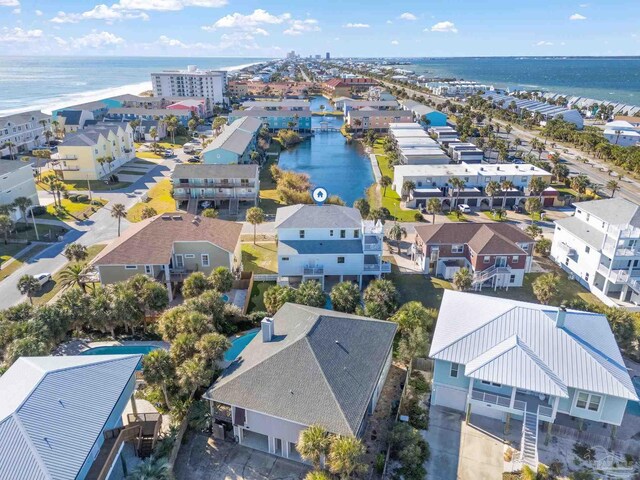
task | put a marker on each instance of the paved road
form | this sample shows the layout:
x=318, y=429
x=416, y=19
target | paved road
x=100, y=228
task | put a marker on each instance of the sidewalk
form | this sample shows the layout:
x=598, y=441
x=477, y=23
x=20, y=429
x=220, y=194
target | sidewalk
x=376, y=169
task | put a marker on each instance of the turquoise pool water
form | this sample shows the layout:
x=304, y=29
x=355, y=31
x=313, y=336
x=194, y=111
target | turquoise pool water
x=633, y=408
x=237, y=345
x=121, y=350
x=225, y=298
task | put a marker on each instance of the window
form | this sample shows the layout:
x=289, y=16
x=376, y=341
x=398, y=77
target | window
x=331, y=233
x=340, y=259
x=457, y=248
x=148, y=269
x=356, y=234
x=454, y=370
x=587, y=249
x=514, y=258
x=512, y=279
x=205, y=259
x=301, y=233
x=492, y=384
x=343, y=234
x=586, y=276
x=285, y=259
x=130, y=267
x=189, y=255
x=486, y=259
x=588, y=401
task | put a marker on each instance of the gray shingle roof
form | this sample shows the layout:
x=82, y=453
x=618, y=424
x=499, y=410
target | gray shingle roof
x=581, y=229
x=326, y=247
x=616, y=211
x=321, y=368
x=236, y=137
x=215, y=171
x=318, y=216
x=53, y=409
x=489, y=335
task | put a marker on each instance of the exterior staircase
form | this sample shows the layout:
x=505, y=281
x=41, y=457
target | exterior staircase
x=480, y=277
x=192, y=206
x=529, y=444
x=234, y=206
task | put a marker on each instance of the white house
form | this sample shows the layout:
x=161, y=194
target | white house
x=600, y=246
x=307, y=366
x=505, y=359
x=621, y=132
x=192, y=82
x=328, y=243
x=16, y=180
x=23, y=131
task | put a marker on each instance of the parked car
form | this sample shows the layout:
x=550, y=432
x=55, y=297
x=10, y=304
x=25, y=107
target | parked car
x=43, y=278
x=193, y=159
x=517, y=208
x=464, y=208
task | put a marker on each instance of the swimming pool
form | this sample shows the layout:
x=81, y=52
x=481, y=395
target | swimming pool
x=237, y=345
x=633, y=408
x=121, y=350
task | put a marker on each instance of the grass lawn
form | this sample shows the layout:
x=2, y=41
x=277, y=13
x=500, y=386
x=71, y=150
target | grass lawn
x=269, y=198
x=429, y=290
x=54, y=286
x=142, y=154
x=453, y=218
x=81, y=185
x=19, y=260
x=385, y=169
x=256, y=303
x=73, y=210
x=261, y=258
x=495, y=219
x=159, y=198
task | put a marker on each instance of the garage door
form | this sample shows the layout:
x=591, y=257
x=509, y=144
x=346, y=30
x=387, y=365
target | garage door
x=449, y=397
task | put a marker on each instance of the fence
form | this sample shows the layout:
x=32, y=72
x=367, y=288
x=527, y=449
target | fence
x=402, y=397
x=266, y=277
x=423, y=364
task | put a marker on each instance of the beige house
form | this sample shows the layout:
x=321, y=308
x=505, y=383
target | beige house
x=95, y=152
x=169, y=247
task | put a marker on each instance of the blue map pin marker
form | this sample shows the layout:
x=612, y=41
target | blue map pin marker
x=319, y=195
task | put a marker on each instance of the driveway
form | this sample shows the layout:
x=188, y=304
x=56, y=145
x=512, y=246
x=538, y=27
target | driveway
x=460, y=451
x=203, y=458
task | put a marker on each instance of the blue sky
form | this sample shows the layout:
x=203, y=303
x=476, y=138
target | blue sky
x=248, y=28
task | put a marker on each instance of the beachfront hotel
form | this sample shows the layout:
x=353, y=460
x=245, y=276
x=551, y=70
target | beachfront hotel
x=23, y=131
x=191, y=82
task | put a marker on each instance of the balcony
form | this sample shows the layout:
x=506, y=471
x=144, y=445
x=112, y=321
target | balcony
x=372, y=246
x=492, y=399
x=313, y=270
x=58, y=156
x=382, y=267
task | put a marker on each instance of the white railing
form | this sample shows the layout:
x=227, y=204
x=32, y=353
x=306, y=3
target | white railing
x=313, y=270
x=373, y=247
x=480, y=277
x=491, y=398
x=546, y=412
x=385, y=267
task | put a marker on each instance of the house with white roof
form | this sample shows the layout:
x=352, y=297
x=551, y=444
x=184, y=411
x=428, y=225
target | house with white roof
x=622, y=132
x=328, y=243
x=600, y=246
x=506, y=359
x=306, y=366
x=62, y=418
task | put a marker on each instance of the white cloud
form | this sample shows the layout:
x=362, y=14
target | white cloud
x=169, y=5
x=9, y=3
x=577, y=16
x=298, y=27
x=584, y=5
x=543, y=43
x=97, y=39
x=171, y=42
x=357, y=25
x=38, y=13
x=247, y=22
x=407, y=16
x=395, y=42
x=444, y=27
x=19, y=35
x=16, y=11
x=389, y=22
x=99, y=12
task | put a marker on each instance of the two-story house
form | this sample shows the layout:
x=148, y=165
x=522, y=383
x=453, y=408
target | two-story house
x=16, y=180
x=497, y=254
x=298, y=119
x=600, y=246
x=169, y=247
x=21, y=132
x=328, y=243
x=221, y=185
x=235, y=144
x=95, y=152
x=506, y=359
x=376, y=120
x=307, y=366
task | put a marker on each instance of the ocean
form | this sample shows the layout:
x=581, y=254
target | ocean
x=603, y=78
x=48, y=83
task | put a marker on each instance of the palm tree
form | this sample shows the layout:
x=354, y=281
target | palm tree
x=407, y=187
x=505, y=186
x=434, y=206
x=6, y=226
x=492, y=189
x=158, y=369
x=580, y=183
x=255, y=216
x=152, y=468
x=119, y=212
x=537, y=185
x=10, y=146
x=613, y=185
x=463, y=279
x=458, y=184
x=72, y=275
x=397, y=233
x=23, y=204
x=313, y=444
x=345, y=457
x=28, y=285
x=385, y=182
x=75, y=252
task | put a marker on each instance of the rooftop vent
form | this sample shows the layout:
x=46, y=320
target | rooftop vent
x=561, y=316
x=266, y=327
x=166, y=217
x=176, y=217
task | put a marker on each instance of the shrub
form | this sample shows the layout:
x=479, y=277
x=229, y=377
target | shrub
x=256, y=317
x=527, y=473
x=73, y=197
x=418, y=217
x=418, y=383
x=97, y=203
x=584, y=451
x=38, y=210
x=82, y=198
x=379, y=465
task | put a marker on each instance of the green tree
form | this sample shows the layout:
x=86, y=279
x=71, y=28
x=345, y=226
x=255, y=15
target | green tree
x=221, y=279
x=506, y=186
x=412, y=344
x=458, y=184
x=195, y=284
x=543, y=247
x=118, y=211
x=29, y=346
x=345, y=297
x=23, y=204
x=533, y=205
x=492, y=189
x=310, y=293
x=385, y=181
x=346, y=457
x=6, y=227
x=408, y=186
x=545, y=287
x=397, y=233
x=580, y=183
x=313, y=444
x=537, y=185
x=533, y=231
x=193, y=373
x=463, y=279
x=73, y=276
x=211, y=347
x=210, y=213
x=255, y=216
x=434, y=206
x=414, y=315
x=276, y=296
x=28, y=285
x=152, y=468
x=318, y=474
x=363, y=206
x=148, y=212
x=158, y=370
x=380, y=299
x=75, y=252
x=613, y=186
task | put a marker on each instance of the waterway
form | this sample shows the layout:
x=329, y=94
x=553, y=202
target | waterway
x=343, y=169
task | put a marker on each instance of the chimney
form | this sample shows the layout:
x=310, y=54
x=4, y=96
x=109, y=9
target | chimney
x=266, y=326
x=562, y=313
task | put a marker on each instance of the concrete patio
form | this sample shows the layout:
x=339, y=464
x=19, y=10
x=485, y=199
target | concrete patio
x=203, y=458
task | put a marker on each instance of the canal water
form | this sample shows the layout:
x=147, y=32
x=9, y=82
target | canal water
x=343, y=169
